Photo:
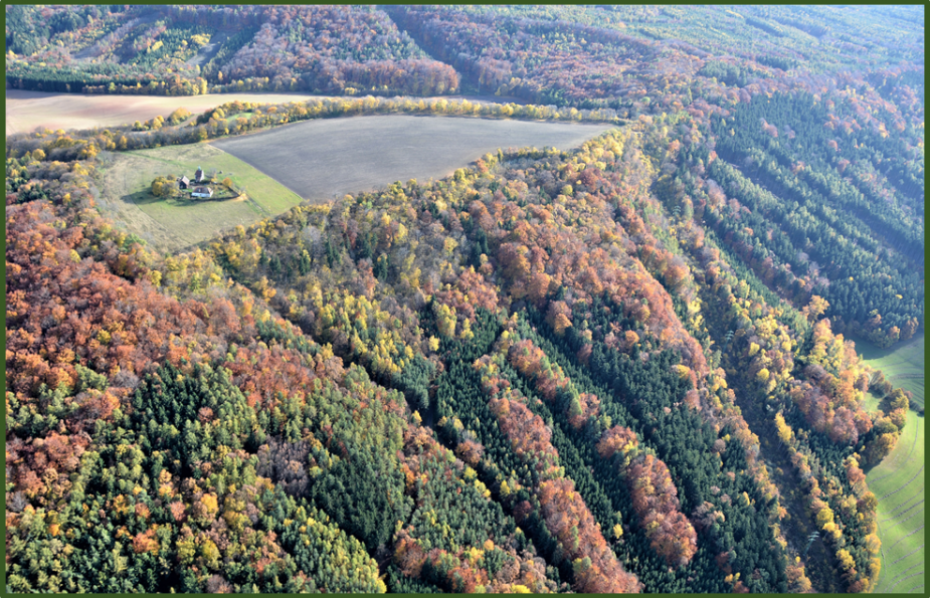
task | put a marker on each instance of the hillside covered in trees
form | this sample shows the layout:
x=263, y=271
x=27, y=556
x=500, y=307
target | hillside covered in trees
x=621, y=368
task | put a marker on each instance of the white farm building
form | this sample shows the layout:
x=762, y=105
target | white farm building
x=202, y=192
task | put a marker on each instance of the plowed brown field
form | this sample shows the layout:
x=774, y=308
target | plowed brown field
x=323, y=159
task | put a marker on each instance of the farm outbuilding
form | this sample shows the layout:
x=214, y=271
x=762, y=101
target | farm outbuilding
x=184, y=182
x=202, y=192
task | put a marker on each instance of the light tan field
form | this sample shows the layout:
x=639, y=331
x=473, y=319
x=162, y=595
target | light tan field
x=28, y=110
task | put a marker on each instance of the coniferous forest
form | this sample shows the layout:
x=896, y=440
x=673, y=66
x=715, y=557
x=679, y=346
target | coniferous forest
x=634, y=365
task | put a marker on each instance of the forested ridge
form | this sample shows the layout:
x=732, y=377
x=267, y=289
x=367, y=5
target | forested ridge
x=620, y=368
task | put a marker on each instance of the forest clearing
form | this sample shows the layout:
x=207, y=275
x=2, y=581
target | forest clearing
x=898, y=481
x=279, y=167
x=173, y=224
x=325, y=159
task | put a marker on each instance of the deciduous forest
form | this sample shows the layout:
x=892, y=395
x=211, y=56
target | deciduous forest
x=632, y=366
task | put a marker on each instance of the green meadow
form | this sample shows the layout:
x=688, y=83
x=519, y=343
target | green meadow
x=898, y=481
x=173, y=224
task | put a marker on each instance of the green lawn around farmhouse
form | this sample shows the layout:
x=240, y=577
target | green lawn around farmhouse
x=175, y=223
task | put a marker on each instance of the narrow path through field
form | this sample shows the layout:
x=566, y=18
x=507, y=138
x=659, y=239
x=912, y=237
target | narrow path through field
x=903, y=538
x=917, y=587
x=903, y=521
x=258, y=206
x=903, y=486
x=905, y=503
x=921, y=547
x=911, y=508
x=905, y=579
x=903, y=572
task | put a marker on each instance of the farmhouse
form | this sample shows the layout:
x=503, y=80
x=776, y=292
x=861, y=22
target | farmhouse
x=184, y=182
x=203, y=192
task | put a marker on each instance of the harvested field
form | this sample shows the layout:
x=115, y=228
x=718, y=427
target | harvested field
x=323, y=159
x=898, y=481
x=26, y=111
x=173, y=224
x=29, y=110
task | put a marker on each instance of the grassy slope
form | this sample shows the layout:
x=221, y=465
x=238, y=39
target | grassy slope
x=173, y=224
x=903, y=364
x=898, y=481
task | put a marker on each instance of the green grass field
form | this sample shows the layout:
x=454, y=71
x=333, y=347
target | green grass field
x=174, y=224
x=903, y=364
x=898, y=481
x=232, y=118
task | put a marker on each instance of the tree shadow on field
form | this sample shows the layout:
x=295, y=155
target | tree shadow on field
x=141, y=198
x=144, y=198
